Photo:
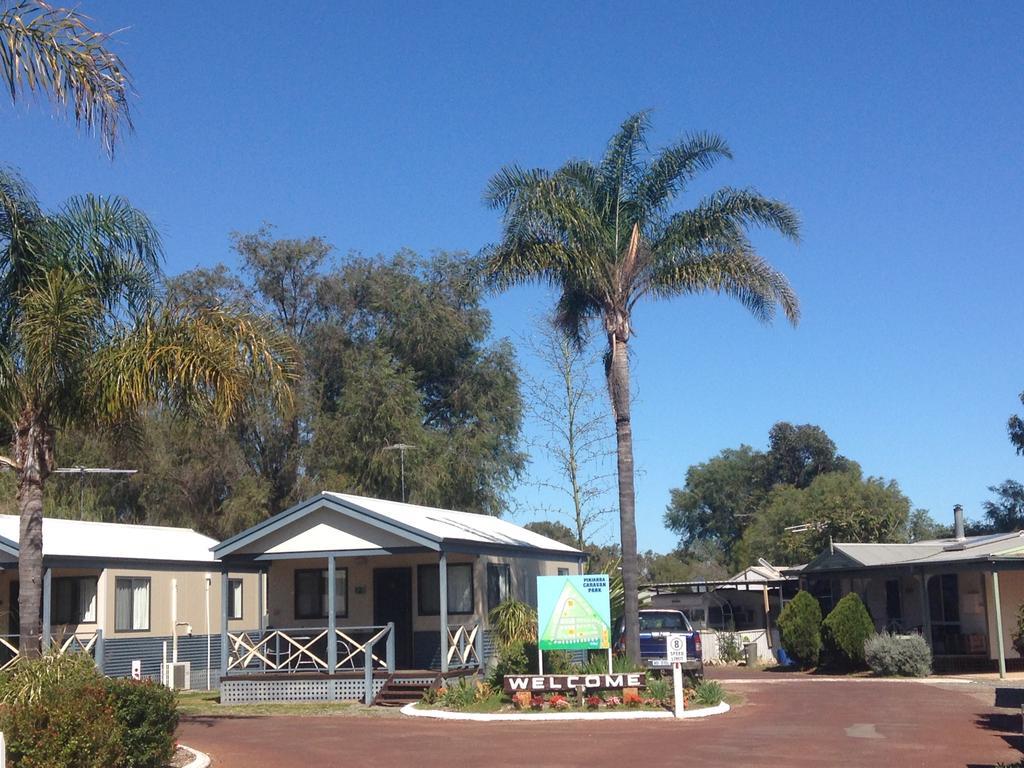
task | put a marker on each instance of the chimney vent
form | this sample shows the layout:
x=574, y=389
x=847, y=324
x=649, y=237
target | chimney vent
x=958, y=522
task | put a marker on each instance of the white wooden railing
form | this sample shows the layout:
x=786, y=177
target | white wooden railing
x=465, y=646
x=307, y=649
x=75, y=642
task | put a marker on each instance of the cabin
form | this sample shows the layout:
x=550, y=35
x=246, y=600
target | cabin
x=139, y=596
x=961, y=593
x=363, y=593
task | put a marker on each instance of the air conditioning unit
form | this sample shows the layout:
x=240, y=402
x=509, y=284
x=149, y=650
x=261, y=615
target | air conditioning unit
x=178, y=675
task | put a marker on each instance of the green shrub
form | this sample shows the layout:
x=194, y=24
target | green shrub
x=730, y=647
x=513, y=621
x=597, y=664
x=56, y=712
x=458, y=695
x=898, y=655
x=845, y=630
x=709, y=693
x=148, y=715
x=512, y=660
x=800, y=629
x=659, y=689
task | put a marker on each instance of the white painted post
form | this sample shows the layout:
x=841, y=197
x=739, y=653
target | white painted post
x=332, y=622
x=3, y=751
x=677, y=689
x=442, y=568
x=999, y=625
x=223, y=624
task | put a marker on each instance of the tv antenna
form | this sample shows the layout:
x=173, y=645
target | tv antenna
x=82, y=472
x=401, y=448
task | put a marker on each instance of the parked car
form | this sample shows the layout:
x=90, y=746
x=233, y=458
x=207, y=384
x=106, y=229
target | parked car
x=656, y=624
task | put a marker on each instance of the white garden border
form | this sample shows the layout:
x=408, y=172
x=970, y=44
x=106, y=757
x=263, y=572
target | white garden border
x=441, y=714
x=199, y=759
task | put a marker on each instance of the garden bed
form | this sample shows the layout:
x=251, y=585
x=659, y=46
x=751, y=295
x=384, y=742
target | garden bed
x=512, y=714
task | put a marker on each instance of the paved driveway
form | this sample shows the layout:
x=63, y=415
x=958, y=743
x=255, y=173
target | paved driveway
x=786, y=721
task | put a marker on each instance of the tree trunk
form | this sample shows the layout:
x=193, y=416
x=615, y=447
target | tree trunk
x=618, y=388
x=33, y=451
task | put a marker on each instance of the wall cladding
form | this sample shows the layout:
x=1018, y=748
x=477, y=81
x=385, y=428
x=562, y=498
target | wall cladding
x=118, y=654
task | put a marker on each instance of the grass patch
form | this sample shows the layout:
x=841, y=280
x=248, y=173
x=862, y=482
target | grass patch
x=207, y=704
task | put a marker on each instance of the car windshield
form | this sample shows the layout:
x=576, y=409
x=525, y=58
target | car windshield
x=667, y=621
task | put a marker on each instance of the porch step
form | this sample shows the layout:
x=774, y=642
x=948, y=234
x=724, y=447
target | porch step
x=397, y=692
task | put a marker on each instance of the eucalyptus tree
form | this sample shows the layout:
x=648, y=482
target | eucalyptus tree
x=54, y=52
x=86, y=341
x=606, y=236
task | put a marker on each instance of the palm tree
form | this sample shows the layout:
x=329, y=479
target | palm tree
x=53, y=51
x=606, y=236
x=85, y=341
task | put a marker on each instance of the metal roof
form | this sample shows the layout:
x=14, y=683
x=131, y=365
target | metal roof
x=937, y=551
x=373, y=523
x=82, y=539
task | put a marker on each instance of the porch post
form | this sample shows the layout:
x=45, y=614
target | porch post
x=260, y=580
x=47, y=598
x=442, y=569
x=999, y=624
x=332, y=635
x=390, y=647
x=223, y=624
x=926, y=621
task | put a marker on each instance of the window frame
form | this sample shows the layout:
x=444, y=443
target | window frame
x=322, y=596
x=75, y=598
x=241, y=599
x=149, y=617
x=422, y=583
x=498, y=568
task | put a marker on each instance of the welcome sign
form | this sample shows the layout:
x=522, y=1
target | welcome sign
x=545, y=683
x=573, y=612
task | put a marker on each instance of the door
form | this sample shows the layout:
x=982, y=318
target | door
x=392, y=601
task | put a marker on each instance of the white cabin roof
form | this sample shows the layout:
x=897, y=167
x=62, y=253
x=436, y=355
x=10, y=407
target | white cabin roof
x=344, y=522
x=115, y=541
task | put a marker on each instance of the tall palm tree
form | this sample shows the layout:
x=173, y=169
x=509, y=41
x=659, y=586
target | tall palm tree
x=607, y=236
x=53, y=51
x=86, y=341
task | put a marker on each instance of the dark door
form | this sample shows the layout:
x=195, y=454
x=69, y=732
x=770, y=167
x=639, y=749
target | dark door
x=392, y=601
x=14, y=614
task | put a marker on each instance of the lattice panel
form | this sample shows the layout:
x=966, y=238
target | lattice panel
x=251, y=691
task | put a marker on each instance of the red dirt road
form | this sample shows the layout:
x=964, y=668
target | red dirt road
x=784, y=722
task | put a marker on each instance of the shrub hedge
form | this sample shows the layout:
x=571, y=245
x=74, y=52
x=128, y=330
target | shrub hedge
x=800, y=629
x=845, y=630
x=898, y=655
x=59, y=711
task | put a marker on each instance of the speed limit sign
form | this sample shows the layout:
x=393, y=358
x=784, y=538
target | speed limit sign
x=675, y=648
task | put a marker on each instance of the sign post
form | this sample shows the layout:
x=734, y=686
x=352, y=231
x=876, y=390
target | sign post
x=675, y=652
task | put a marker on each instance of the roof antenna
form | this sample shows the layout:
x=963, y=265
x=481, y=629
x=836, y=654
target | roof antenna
x=82, y=472
x=401, y=448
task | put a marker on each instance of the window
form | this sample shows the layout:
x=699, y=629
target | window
x=234, y=598
x=499, y=584
x=460, y=589
x=131, y=604
x=74, y=600
x=893, y=602
x=311, y=593
x=563, y=571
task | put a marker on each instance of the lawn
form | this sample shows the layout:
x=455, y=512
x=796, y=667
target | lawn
x=207, y=704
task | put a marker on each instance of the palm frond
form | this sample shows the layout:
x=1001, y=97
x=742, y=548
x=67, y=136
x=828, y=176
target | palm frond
x=666, y=176
x=57, y=327
x=110, y=243
x=53, y=51
x=620, y=164
x=735, y=271
x=199, y=360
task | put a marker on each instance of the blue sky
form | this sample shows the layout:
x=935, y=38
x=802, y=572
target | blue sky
x=894, y=128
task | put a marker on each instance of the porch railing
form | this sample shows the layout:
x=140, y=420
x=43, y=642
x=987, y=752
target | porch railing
x=76, y=642
x=465, y=646
x=306, y=649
